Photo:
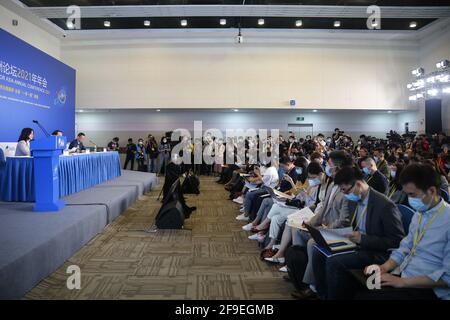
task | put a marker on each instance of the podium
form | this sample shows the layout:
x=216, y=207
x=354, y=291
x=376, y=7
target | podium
x=46, y=154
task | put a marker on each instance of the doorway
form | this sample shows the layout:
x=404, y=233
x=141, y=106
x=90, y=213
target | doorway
x=301, y=130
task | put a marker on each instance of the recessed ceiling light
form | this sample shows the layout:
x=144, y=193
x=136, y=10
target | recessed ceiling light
x=337, y=24
x=80, y=110
x=183, y=23
x=236, y=110
x=261, y=22
x=315, y=110
x=158, y=110
x=413, y=24
x=223, y=22
x=298, y=23
x=70, y=25
x=147, y=23
x=390, y=111
x=107, y=23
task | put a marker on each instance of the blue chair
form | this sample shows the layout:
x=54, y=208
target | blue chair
x=445, y=196
x=407, y=214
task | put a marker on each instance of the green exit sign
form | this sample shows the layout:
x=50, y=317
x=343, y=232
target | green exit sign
x=300, y=118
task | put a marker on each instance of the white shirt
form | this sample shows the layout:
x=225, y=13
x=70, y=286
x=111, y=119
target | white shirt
x=270, y=177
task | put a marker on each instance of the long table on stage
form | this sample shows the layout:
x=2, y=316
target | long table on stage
x=76, y=173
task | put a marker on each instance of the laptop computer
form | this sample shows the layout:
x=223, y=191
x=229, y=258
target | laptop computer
x=333, y=246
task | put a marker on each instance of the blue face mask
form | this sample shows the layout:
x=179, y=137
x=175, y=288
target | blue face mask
x=353, y=197
x=366, y=171
x=417, y=204
x=314, y=182
x=299, y=170
x=328, y=171
x=376, y=159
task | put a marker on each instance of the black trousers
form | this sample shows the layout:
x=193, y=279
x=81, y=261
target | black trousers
x=332, y=275
x=396, y=294
x=128, y=159
x=296, y=261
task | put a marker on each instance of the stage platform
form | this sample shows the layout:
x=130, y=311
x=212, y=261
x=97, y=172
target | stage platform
x=33, y=245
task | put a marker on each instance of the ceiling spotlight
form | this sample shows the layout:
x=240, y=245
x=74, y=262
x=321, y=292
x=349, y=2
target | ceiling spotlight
x=413, y=24
x=147, y=23
x=337, y=24
x=433, y=92
x=183, y=23
x=223, y=22
x=444, y=64
x=298, y=23
x=418, y=72
x=107, y=23
x=260, y=22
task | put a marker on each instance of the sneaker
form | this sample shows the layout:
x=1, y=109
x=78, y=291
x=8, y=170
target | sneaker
x=247, y=227
x=283, y=269
x=276, y=260
x=276, y=246
x=239, y=200
x=242, y=217
x=241, y=210
x=253, y=237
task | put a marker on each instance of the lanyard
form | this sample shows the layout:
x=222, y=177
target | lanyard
x=369, y=179
x=392, y=191
x=419, y=236
x=360, y=218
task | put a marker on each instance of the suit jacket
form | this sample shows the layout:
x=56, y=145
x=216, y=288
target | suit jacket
x=384, y=228
x=379, y=182
x=334, y=212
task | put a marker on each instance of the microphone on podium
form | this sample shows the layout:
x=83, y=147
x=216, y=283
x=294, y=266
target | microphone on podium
x=42, y=128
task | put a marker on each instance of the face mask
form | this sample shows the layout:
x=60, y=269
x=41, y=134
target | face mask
x=417, y=204
x=393, y=173
x=328, y=171
x=164, y=140
x=299, y=170
x=141, y=143
x=366, y=171
x=376, y=159
x=353, y=197
x=314, y=182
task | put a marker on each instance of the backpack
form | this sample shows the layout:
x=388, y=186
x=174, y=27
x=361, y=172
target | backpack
x=191, y=184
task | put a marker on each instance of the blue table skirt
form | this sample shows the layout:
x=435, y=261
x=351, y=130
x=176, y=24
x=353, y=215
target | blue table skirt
x=76, y=173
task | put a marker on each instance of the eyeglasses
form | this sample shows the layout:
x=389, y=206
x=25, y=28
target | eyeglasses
x=347, y=191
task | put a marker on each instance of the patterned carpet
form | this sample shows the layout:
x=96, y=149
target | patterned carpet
x=211, y=259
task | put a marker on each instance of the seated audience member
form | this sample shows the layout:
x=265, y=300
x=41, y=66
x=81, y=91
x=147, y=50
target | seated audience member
x=57, y=133
x=444, y=182
x=278, y=214
x=423, y=258
x=381, y=163
x=377, y=227
x=333, y=212
x=374, y=178
x=396, y=193
x=113, y=145
x=268, y=177
x=23, y=145
x=77, y=144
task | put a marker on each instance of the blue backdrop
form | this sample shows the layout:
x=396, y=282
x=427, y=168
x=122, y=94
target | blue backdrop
x=34, y=86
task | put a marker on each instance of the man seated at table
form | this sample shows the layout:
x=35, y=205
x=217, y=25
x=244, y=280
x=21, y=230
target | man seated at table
x=77, y=144
x=377, y=226
x=423, y=258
